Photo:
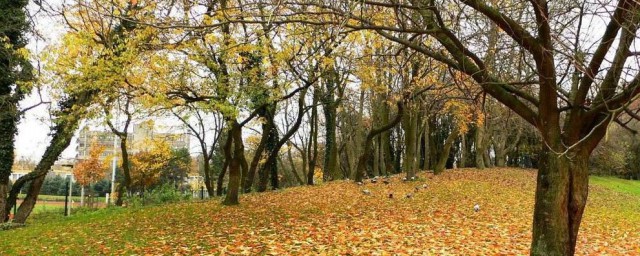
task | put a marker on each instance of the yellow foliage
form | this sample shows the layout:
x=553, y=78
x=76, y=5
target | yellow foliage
x=148, y=164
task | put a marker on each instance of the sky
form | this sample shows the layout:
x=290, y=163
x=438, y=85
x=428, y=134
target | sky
x=34, y=127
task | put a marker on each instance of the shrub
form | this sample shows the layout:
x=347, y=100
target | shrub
x=163, y=194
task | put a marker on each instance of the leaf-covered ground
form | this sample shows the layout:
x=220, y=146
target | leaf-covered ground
x=338, y=219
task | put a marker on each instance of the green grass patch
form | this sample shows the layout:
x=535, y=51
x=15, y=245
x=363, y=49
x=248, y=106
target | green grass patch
x=60, y=198
x=631, y=187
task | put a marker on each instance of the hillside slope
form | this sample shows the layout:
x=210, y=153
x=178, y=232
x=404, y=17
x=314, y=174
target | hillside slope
x=337, y=218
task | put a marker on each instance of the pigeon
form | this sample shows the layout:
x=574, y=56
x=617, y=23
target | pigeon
x=409, y=195
x=476, y=208
x=386, y=181
x=404, y=179
x=417, y=189
x=359, y=183
x=424, y=185
x=366, y=192
x=391, y=195
x=374, y=180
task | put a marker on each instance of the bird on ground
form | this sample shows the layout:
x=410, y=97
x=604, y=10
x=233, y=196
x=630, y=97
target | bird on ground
x=391, y=195
x=366, y=192
x=476, y=208
x=359, y=183
x=409, y=195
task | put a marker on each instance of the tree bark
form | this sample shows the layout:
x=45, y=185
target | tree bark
x=29, y=202
x=362, y=160
x=226, y=150
x=4, y=190
x=561, y=195
x=442, y=161
x=479, y=141
x=269, y=168
x=331, y=169
x=409, y=125
x=235, y=163
x=312, y=150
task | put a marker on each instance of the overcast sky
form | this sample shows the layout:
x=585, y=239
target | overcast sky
x=33, y=129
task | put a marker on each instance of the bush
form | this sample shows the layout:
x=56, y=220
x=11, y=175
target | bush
x=163, y=194
x=102, y=187
x=633, y=161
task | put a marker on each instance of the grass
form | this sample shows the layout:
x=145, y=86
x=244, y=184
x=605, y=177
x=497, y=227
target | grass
x=336, y=218
x=631, y=187
x=59, y=198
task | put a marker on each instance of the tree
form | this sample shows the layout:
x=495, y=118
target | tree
x=15, y=74
x=200, y=127
x=148, y=164
x=579, y=91
x=91, y=170
x=177, y=168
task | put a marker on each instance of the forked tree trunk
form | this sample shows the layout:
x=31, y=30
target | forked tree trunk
x=442, y=161
x=29, y=201
x=367, y=149
x=561, y=195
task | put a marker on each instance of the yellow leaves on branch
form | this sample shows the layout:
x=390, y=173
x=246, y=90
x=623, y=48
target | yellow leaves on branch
x=147, y=165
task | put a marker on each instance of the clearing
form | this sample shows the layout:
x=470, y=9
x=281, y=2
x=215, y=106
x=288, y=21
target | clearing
x=337, y=218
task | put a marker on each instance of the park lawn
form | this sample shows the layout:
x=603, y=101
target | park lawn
x=42, y=207
x=631, y=187
x=59, y=198
x=336, y=218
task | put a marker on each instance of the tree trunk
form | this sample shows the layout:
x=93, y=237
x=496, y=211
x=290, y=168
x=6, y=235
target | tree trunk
x=426, y=138
x=561, y=195
x=29, y=201
x=479, y=154
x=331, y=169
x=125, y=169
x=442, y=161
x=235, y=163
x=312, y=151
x=226, y=150
x=500, y=157
x=293, y=166
x=248, y=181
x=385, y=141
x=208, y=181
x=72, y=109
x=409, y=126
x=463, y=150
x=270, y=133
x=433, y=147
x=220, y=181
x=4, y=190
x=366, y=153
